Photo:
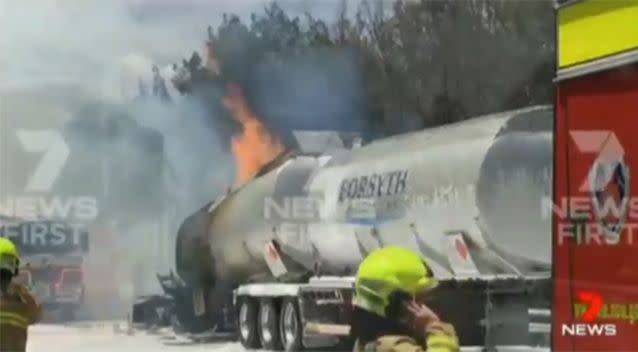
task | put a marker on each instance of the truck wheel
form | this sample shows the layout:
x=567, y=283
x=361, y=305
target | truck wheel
x=248, y=323
x=290, y=326
x=269, y=326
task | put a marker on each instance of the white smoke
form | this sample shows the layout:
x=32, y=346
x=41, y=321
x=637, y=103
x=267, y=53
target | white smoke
x=52, y=42
x=56, y=55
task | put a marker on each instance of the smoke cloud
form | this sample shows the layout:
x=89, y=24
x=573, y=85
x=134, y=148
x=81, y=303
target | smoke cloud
x=81, y=60
x=104, y=46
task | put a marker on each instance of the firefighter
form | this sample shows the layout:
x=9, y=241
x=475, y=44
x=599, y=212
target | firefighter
x=388, y=315
x=18, y=308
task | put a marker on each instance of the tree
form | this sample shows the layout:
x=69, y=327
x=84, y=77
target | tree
x=425, y=63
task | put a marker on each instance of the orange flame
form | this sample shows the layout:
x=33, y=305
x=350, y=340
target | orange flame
x=255, y=146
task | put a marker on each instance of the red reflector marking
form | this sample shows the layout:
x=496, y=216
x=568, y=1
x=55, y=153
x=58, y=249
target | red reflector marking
x=461, y=248
x=272, y=252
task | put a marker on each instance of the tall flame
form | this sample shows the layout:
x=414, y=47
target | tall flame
x=255, y=146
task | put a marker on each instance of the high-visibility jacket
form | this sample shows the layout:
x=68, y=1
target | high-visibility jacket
x=441, y=339
x=17, y=312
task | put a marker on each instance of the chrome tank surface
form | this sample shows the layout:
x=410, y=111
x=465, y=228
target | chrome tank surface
x=515, y=177
x=239, y=227
x=485, y=176
x=493, y=169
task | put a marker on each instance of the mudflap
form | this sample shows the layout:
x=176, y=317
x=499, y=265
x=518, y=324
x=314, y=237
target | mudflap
x=190, y=311
x=220, y=308
x=199, y=309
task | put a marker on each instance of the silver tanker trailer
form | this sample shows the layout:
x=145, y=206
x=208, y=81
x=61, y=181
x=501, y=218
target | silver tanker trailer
x=277, y=256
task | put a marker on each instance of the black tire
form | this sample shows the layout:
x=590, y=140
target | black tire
x=247, y=323
x=268, y=325
x=290, y=327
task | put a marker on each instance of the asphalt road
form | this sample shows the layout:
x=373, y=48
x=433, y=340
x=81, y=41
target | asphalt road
x=102, y=337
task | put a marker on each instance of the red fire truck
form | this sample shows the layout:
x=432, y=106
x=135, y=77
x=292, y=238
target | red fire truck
x=58, y=283
x=596, y=153
x=52, y=256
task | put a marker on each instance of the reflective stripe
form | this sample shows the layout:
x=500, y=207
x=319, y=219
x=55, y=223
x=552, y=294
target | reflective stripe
x=9, y=262
x=13, y=319
x=441, y=339
x=13, y=323
x=591, y=30
x=15, y=316
x=442, y=342
x=365, y=304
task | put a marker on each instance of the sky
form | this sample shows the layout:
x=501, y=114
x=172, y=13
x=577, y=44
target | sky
x=99, y=47
x=56, y=55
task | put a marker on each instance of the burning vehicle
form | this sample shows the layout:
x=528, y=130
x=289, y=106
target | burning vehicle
x=273, y=259
x=453, y=193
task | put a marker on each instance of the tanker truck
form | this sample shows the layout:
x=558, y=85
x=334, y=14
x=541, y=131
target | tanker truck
x=274, y=260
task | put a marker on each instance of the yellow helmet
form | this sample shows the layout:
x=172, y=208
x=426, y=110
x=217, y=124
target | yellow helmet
x=386, y=271
x=9, y=257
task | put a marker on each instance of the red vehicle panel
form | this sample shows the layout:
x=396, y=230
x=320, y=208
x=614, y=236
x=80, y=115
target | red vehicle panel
x=55, y=285
x=592, y=113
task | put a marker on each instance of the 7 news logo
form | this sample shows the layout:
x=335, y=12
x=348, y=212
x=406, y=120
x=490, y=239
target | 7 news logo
x=589, y=312
x=38, y=199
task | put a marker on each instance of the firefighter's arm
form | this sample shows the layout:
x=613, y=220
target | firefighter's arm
x=33, y=308
x=395, y=344
x=441, y=337
x=435, y=343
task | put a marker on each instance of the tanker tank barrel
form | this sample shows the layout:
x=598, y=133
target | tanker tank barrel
x=476, y=177
x=193, y=260
x=509, y=155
